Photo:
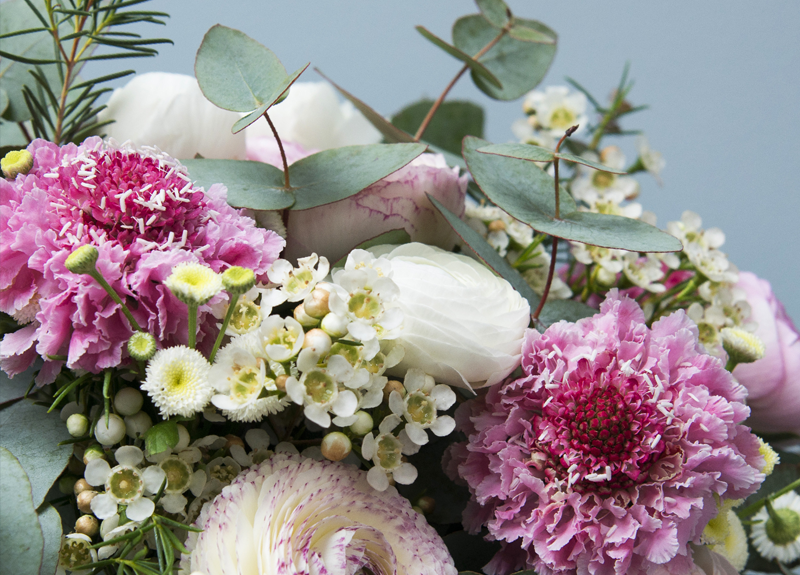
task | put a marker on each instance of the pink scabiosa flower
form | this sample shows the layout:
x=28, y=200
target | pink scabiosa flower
x=144, y=215
x=609, y=455
x=295, y=516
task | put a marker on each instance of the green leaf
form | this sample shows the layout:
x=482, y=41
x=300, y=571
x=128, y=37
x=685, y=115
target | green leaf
x=495, y=11
x=526, y=192
x=3, y=101
x=35, y=446
x=235, y=72
x=17, y=15
x=477, y=68
x=252, y=185
x=332, y=175
x=539, y=154
x=453, y=120
x=527, y=34
x=21, y=537
x=50, y=524
x=13, y=389
x=519, y=65
x=566, y=309
x=161, y=436
x=391, y=133
x=279, y=94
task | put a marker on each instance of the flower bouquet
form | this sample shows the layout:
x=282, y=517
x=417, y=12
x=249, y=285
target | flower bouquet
x=250, y=325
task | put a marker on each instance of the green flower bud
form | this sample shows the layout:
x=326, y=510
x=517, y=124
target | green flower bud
x=141, y=346
x=303, y=318
x=82, y=260
x=783, y=525
x=427, y=504
x=66, y=484
x=15, y=163
x=94, y=451
x=363, y=424
x=77, y=425
x=336, y=446
x=741, y=346
x=238, y=280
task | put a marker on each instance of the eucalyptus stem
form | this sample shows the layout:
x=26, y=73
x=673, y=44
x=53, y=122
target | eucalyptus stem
x=192, y=324
x=429, y=116
x=280, y=147
x=225, y=322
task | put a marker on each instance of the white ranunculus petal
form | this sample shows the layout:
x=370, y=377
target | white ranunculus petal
x=104, y=506
x=377, y=479
x=140, y=509
x=96, y=472
x=416, y=433
x=406, y=474
x=444, y=425
x=153, y=477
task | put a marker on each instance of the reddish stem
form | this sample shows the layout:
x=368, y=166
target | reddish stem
x=280, y=147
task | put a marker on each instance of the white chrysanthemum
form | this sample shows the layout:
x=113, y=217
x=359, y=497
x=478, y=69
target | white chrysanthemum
x=193, y=283
x=296, y=515
x=778, y=539
x=177, y=381
x=386, y=452
x=556, y=109
x=419, y=406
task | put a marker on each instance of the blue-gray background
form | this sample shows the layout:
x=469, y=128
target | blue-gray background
x=722, y=80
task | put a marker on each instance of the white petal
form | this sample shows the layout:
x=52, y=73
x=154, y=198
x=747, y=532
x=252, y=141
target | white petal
x=307, y=360
x=409, y=447
x=103, y=505
x=108, y=524
x=340, y=368
x=198, y=482
x=370, y=348
x=444, y=425
x=173, y=502
x=372, y=398
x=295, y=390
x=396, y=403
x=96, y=472
x=140, y=509
x=278, y=352
x=257, y=438
x=376, y=477
x=129, y=455
x=318, y=415
x=241, y=457
x=153, y=477
x=443, y=396
x=345, y=421
x=368, y=446
x=362, y=332
x=389, y=423
x=313, y=452
x=406, y=474
x=414, y=380
x=105, y=552
x=392, y=319
x=345, y=404
x=191, y=455
x=416, y=433
x=360, y=379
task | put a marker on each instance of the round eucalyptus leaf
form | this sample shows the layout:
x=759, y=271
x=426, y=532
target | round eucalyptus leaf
x=21, y=536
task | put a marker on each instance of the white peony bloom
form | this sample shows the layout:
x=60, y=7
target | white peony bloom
x=463, y=325
x=296, y=515
x=313, y=117
x=169, y=111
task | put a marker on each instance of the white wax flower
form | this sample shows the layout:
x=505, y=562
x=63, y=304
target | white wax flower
x=124, y=484
x=556, y=109
x=463, y=325
x=420, y=404
x=297, y=282
x=321, y=388
x=386, y=451
x=170, y=112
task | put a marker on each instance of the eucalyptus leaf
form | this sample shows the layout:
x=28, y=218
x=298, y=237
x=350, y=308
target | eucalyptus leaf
x=254, y=185
x=539, y=154
x=453, y=120
x=35, y=446
x=50, y=524
x=610, y=231
x=477, y=68
x=235, y=72
x=21, y=536
x=495, y=11
x=526, y=34
x=161, y=436
x=3, y=101
x=518, y=65
x=391, y=133
x=564, y=309
x=14, y=388
x=278, y=94
x=332, y=175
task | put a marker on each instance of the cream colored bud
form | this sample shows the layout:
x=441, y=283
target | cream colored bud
x=94, y=451
x=128, y=401
x=317, y=340
x=336, y=446
x=427, y=504
x=81, y=485
x=496, y=226
x=363, y=424
x=393, y=385
x=85, y=500
x=111, y=434
x=233, y=440
x=334, y=325
x=742, y=346
x=87, y=525
x=137, y=424
x=316, y=303
x=77, y=425
x=280, y=382
x=303, y=318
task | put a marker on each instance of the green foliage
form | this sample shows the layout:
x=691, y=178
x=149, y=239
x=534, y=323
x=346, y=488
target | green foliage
x=50, y=524
x=35, y=447
x=13, y=389
x=454, y=120
x=518, y=64
x=495, y=11
x=477, y=68
x=49, y=45
x=526, y=192
x=539, y=154
x=252, y=185
x=21, y=536
x=162, y=436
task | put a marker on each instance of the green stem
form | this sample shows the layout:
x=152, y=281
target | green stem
x=755, y=507
x=107, y=394
x=113, y=294
x=192, y=325
x=226, y=321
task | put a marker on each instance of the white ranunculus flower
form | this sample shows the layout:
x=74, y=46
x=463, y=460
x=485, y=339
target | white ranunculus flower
x=293, y=514
x=313, y=117
x=169, y=111
x=463, y=325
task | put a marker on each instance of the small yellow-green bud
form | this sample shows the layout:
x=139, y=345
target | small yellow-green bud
x=783, y=525
x=363, y=424
x=771, y=458
x=336, y=446
x=82, y=260
x=85, y=500
x=94, y=451
x=303, y=318
x=316, y=303
x=193, y=283
x=128, y=400
x=66, y=484
x=142, y=346
x=88, y=525
x=16, y=162
x=334, y=325
x=238, y=280
x=741, y=346
x=77, y=425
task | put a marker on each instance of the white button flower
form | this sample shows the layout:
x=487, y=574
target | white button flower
x=776, y=534
x=386, y=452
x=177, y=381
x=423, y=399
x=321, y=388
x=124, y=484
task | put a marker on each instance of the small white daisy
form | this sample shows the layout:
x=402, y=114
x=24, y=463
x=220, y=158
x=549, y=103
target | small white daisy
x=778, y=537
x=177, y=381
x=193, y=283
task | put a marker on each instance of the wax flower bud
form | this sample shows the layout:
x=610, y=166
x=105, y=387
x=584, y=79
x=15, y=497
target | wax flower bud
x=81, y=485
x=87, y=525
x=238, y=280
x=317, y=340
x=82, y=260
x=363, y=423
x=303, y=318
x=16, y=162
x=66, y=484
x=128, y=400
x=427, y=504
x=85, y=500
x=141, y=346
x=77, y=425
x=316, y=303
x=393, y=385
x=336, y=446
x=334, y=325
x=137, y=424
x=111, y=433
x=94, y=451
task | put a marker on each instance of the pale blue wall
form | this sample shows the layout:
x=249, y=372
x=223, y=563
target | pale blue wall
x=721, y=79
